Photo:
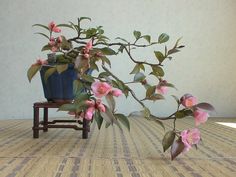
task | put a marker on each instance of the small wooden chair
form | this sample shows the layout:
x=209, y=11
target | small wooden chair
x=52, y=124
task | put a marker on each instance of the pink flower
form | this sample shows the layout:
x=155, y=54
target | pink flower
x=200, y=116
x=91, y=108
x=53, y=27
x=188, y=100
x=54, y=48
x=190, y=137
x=41, y=62
x=100, y=89
x=86, y=56
x=89, y=45
x=116, y=92
x=162, y=89
x=52, y=41
x=89, y=113
x=59, y=39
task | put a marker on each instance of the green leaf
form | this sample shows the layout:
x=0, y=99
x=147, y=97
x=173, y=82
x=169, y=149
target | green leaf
x=98, y=119
x=44, y=35
x=136, y=69
x=157, y=71
x=150, y=91
x=107, y=51
x=157, y=121
x=141, y=66
x=84, y=18
x=176, y=148
x=163, y=38
x=77, y=86
x=124, y=120
x=109, y=117
x=103, y=75
x=124, y=40
x=176, y=99
x=65, y=45
x=46, y=47
x=65, y=25
x=205, y=106
x=159, y=56
x=106, y=60
x=61, y=68
x=137, y=34
x=171, y=51
x=177, y=42
x=43, y=26
x=183, y=113
x=111, y=102
x=67, y=107
x=147, y=113
x=32, y=71
x=87, y=78
x=148, y=38
x=81, y=96
x=48, y=73
x=155, y=97
x=168, y=140
x=138, y=77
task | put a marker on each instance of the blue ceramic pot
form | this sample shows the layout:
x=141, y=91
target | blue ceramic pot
x=59, y=87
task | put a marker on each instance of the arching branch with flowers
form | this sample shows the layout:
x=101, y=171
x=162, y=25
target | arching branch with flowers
x=90, y=50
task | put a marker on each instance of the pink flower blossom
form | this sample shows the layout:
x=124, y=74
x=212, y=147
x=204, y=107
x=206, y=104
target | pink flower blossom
x=41, y=62
x=188, y=100
x=190, y=137
x=200, y=117
x=89, y=113
x=100, y=89
x=116, y=92
x=162, y=89
x=52, y=41
x=54, y=48
x=89, y=45
x=92, y=106
x=53, y=27
x=59, y=39
x=86, y=56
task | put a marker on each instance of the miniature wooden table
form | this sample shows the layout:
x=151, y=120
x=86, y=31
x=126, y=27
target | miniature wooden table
x=45, y=124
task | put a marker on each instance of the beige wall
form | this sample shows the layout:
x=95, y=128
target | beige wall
x=205, y=68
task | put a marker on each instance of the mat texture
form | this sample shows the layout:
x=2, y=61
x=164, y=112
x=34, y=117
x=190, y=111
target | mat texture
x=112, y=153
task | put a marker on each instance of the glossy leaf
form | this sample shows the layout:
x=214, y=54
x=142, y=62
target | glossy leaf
x=205, y=106
x=163, y=38
x=157, y=121
x=157, y=71
x=65, y=25
x=106, y=60
x=77, y=86
x=171, y=51
x=32, y=71
x=122, y=39
x=155, y=97
x=42, y=26
x=48, y=73
x=168, y=140
x=61, y=68
x=67, y=107
x=87, y=78
x=44, y=35
x=111, y=102
x=46, y=47
x=159, y=56
x=108, y=51
x=103, y=75
x=124, y=120
x=150, y=91
x=176, y=148
x=98, y=119
x=136, y=69
x=137, y=34
x=84, y=18
x=147, y=38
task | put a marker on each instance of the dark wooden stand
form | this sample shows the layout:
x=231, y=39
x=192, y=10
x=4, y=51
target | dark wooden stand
x=52, y=124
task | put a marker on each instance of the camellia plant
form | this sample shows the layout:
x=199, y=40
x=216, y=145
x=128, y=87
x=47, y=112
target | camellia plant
x=90, y=49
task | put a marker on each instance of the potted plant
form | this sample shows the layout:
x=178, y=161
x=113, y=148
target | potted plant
x=94, y=94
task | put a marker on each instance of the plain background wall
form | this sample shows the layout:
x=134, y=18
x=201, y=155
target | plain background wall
x=205, y=68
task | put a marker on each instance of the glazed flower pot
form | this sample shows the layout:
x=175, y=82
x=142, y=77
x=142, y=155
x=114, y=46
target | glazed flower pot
x=59, y=87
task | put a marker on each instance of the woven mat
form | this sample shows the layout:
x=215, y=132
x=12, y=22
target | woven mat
x=110, y=152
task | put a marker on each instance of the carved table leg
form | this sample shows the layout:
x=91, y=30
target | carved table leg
x=45, y=119
x=85, y=129
x=36, y=123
